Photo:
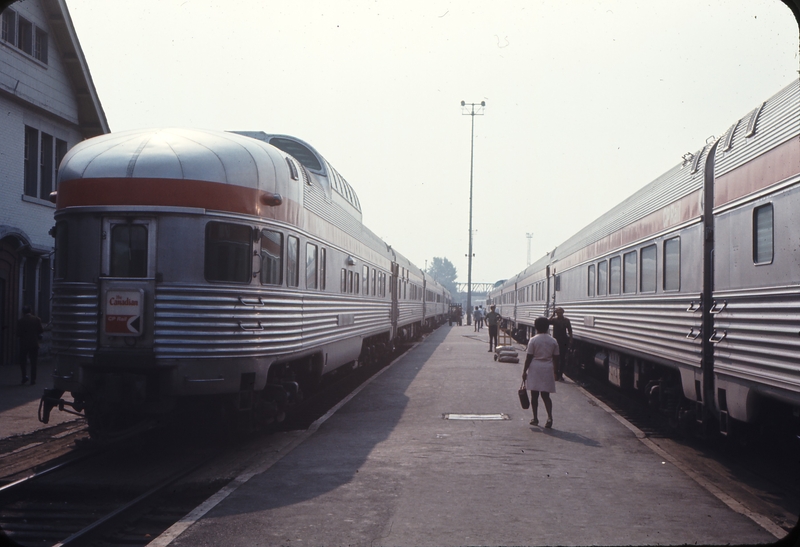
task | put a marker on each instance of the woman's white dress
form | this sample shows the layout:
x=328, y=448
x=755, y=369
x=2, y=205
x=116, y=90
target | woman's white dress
x=540, y=372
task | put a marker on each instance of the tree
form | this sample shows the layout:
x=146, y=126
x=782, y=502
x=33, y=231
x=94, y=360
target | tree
x=444, y=273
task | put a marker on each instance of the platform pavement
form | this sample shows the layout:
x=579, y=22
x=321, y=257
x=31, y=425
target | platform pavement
x=387, y=469
x=19, y=404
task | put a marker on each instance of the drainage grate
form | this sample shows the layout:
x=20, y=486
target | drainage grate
x=477, y=417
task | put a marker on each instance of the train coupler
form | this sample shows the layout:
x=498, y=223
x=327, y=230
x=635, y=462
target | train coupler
x=51, y=398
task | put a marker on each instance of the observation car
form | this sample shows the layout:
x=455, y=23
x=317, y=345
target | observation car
x=197, y=264
x=689, y=290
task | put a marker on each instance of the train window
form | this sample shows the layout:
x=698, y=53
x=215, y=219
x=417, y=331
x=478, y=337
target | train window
x=763, y=234
x=356, y=284
x=129, y=250
x=292, y=261
x=365, y=279
x=602, y=278
x=629, y=272
x=672, y=264
x=271, y=257
x=349, y=282
x=374, y=276
x=648, y=265
x=591, y=283
x=323, y=270
x=311, y=266
x=614, y=275
x=228, y=252
x=344, y=281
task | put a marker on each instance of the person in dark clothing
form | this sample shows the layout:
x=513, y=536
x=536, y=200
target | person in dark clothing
x=562, y=332
x=493, y=319
x=29, y=330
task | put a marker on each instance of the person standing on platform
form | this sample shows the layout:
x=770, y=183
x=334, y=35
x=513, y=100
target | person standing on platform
x=541, y=360
x=483, y=314
x=562, y=332
x=29, y=330
x=476, y=319
x=493, y=320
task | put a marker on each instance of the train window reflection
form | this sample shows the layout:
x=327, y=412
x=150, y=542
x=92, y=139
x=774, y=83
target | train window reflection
x=227, y=252
x=602, y=278
x=591, y=283
x=629, y=272
x=129, y=250
x=672, y=264
x=292, y=261
x=322, y=268
x=271, y=257
x=311, y=266
x=762, y=234
x=62, y=237
x=614, y=275
x=365, y=277
x=648, y=261
x=374, y=276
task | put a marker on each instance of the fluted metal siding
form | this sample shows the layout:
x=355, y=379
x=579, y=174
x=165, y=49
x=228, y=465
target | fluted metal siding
x=198, y=321
x=653, y=325
x=762, y=337
x=669, y=187
x=74, y=319
x=778, y=122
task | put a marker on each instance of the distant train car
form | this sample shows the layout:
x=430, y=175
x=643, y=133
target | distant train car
x=689, y=290
x=208, y=264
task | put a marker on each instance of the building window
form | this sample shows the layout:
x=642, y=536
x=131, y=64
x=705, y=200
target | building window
x=614, y=275
x=672, y=264
x=311, y=266
x=602, y=278
x=42, y=156
x=271, y=257
x=292, y=261
x=40, y=45
x=763, y=234
x=227, y=252
x=591, y=282
x=629, y=272
x=9, y=27
x=648, y=265
x=23, y=34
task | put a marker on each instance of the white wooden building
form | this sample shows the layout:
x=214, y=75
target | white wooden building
x=48, y=104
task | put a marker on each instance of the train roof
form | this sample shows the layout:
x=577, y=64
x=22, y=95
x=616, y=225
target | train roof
x=173, y=153
x=311, y=160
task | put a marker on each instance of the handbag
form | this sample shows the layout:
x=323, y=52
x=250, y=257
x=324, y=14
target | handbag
x=523, y=397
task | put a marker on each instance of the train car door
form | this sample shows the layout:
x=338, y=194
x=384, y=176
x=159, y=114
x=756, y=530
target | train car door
x=127, y=284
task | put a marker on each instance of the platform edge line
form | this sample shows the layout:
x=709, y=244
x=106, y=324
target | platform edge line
x=177, y=529
x=765, y=522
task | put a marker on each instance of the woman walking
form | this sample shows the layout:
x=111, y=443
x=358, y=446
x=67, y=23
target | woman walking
x=542, y=361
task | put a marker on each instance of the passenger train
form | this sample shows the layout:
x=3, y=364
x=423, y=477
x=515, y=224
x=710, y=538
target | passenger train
x=221, y=266
x=689, y=290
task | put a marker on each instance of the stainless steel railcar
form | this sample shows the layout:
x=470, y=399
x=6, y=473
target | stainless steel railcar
x=196, y=263
x=689, y=290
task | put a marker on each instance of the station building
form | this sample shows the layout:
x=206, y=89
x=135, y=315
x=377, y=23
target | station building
x=48, y=104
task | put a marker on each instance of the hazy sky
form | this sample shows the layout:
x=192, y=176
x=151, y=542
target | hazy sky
x=586, y=101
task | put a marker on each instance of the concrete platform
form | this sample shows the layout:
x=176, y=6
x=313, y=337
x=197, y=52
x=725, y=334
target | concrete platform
x=19, y=404
x=388, y=469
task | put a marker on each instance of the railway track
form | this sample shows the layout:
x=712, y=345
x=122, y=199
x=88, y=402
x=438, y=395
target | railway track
x=131, y=491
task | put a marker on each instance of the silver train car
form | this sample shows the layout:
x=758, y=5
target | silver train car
x=689, y=290
x=197, y=264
